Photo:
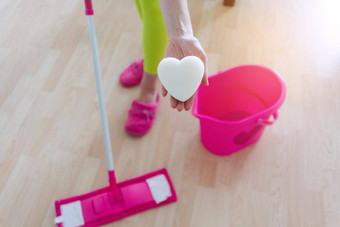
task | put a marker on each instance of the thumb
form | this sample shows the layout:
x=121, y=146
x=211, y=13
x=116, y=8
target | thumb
x=164, y=91
x=205, y=76
x=205, y=79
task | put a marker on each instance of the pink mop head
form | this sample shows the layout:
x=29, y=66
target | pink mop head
x=117, y=200
x=100, y=207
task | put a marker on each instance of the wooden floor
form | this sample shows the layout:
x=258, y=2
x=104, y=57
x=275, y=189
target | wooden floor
x=51, y=144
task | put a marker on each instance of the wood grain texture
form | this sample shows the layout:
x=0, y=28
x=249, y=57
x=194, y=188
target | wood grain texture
x=51, y=143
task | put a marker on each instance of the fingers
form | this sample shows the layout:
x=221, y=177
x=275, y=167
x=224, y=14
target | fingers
x=180, y=106
x=188, y=104
x=202, y=55
x=205, y=76
x=205, y=79
x=164, y=91
x=175, y=104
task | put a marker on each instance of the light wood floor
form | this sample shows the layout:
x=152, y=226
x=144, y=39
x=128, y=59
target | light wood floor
x=51, y=144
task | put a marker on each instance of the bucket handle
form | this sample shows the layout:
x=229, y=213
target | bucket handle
x=267, y=122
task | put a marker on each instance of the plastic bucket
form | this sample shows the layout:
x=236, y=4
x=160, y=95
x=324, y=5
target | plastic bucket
x=236, y=106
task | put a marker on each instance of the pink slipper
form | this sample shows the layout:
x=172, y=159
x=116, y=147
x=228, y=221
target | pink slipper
x=141, y=117
x=133, y=74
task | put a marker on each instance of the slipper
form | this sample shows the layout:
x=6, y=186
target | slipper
x=133, y=74
x=141, y=117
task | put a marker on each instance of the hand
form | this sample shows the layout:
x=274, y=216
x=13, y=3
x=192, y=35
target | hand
x=180, y=47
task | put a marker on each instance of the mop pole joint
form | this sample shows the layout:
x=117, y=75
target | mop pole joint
x=113, y=185
x=88, y=7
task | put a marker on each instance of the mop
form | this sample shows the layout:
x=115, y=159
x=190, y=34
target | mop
x=117, y=200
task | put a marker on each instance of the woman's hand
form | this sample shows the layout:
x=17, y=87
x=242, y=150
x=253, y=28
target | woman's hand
x=180, y=47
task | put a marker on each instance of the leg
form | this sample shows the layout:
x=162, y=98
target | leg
x=149, y=87
x=139, y=8
x=154, y=44
x=143, y=110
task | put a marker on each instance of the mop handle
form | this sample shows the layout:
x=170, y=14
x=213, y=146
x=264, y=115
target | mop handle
x=88, y=7
x=105, y=125
x=96, y=62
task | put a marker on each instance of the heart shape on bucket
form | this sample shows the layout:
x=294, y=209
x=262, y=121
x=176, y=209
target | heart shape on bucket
x=244, y=137
x=181, y=78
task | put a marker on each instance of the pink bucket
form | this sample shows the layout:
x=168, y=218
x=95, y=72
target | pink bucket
x=236, y=106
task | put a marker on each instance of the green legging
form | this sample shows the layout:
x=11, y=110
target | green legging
x=155, y=38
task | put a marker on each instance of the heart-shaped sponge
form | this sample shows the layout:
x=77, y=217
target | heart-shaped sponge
x=181, y=78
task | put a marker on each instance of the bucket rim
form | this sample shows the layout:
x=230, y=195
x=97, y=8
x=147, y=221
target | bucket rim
x=272, y=109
